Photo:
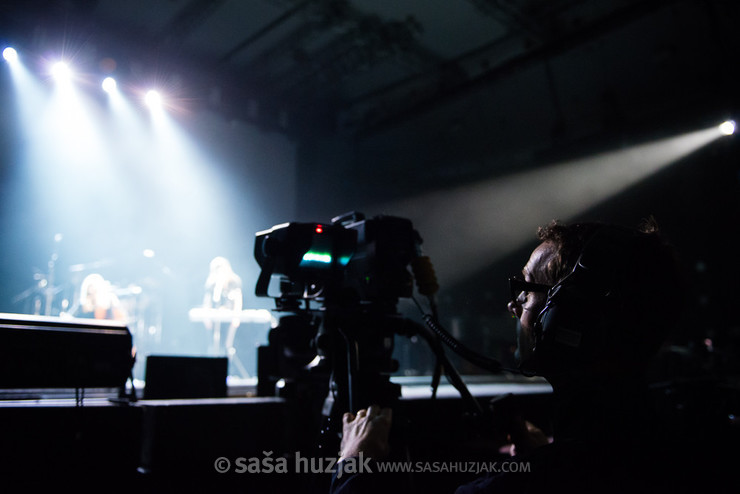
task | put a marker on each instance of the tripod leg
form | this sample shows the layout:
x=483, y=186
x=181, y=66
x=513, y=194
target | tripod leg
x=231, y=351
x=216, y=340
x=238, y=363
x=229, y=343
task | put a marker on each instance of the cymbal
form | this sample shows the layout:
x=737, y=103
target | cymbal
x=76, y=268
x=129, y=290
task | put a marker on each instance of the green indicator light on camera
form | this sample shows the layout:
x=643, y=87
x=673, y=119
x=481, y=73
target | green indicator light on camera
x=319, y=257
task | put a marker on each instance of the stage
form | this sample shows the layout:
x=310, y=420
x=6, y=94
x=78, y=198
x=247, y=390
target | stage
x=152, y=445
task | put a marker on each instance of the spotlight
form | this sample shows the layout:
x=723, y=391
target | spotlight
x=61, y=72
x=109, y=85
x=727, y=127
x=153, y=99
x=10, y=55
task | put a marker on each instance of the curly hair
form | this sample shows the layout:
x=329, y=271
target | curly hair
x=570, y=239
x=646, y=274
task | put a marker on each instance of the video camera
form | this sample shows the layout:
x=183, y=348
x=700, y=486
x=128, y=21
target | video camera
x=351, y=260
x=339, y=285
x=354, y=271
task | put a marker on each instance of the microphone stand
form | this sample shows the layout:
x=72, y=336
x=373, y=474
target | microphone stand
x=50, y=276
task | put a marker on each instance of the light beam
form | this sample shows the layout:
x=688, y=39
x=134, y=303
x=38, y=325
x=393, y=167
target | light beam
x=109, y=85
x=61, y=72
x=10, y=55
x=727, y=127
x=471, y=227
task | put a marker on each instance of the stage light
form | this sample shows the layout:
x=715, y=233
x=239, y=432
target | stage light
x=727, y=128
x=61, y=72
x=153, y=99
x=10, y=55
x=109, y=85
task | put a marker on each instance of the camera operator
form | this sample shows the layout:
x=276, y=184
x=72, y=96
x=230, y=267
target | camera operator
x=593, y=307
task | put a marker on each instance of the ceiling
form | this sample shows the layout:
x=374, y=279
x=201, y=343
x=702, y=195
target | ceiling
x=348, y=64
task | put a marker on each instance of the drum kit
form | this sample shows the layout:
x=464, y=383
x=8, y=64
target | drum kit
x=65, y=294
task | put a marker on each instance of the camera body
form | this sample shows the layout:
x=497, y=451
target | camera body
x=352, y=260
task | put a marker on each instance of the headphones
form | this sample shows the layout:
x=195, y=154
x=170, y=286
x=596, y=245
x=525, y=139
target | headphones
x=578, y=324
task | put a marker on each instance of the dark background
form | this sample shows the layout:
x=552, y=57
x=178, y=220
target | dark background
x=311, y=109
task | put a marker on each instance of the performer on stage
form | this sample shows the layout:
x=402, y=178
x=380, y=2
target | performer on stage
x=224, y=292
x=98, y=300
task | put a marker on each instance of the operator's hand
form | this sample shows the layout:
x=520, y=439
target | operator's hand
x=366, y=432
x=526, y=437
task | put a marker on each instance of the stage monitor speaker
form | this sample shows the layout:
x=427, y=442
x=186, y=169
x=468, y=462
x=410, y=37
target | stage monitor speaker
x=51, y=352
x=182, y=377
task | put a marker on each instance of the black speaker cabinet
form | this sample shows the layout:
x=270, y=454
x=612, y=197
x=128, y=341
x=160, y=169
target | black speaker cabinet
x=180, y=377
x=52, y=352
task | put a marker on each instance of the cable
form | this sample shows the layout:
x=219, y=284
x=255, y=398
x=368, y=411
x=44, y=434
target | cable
x=426, y=282
x=486, y=363
x=450, y=371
